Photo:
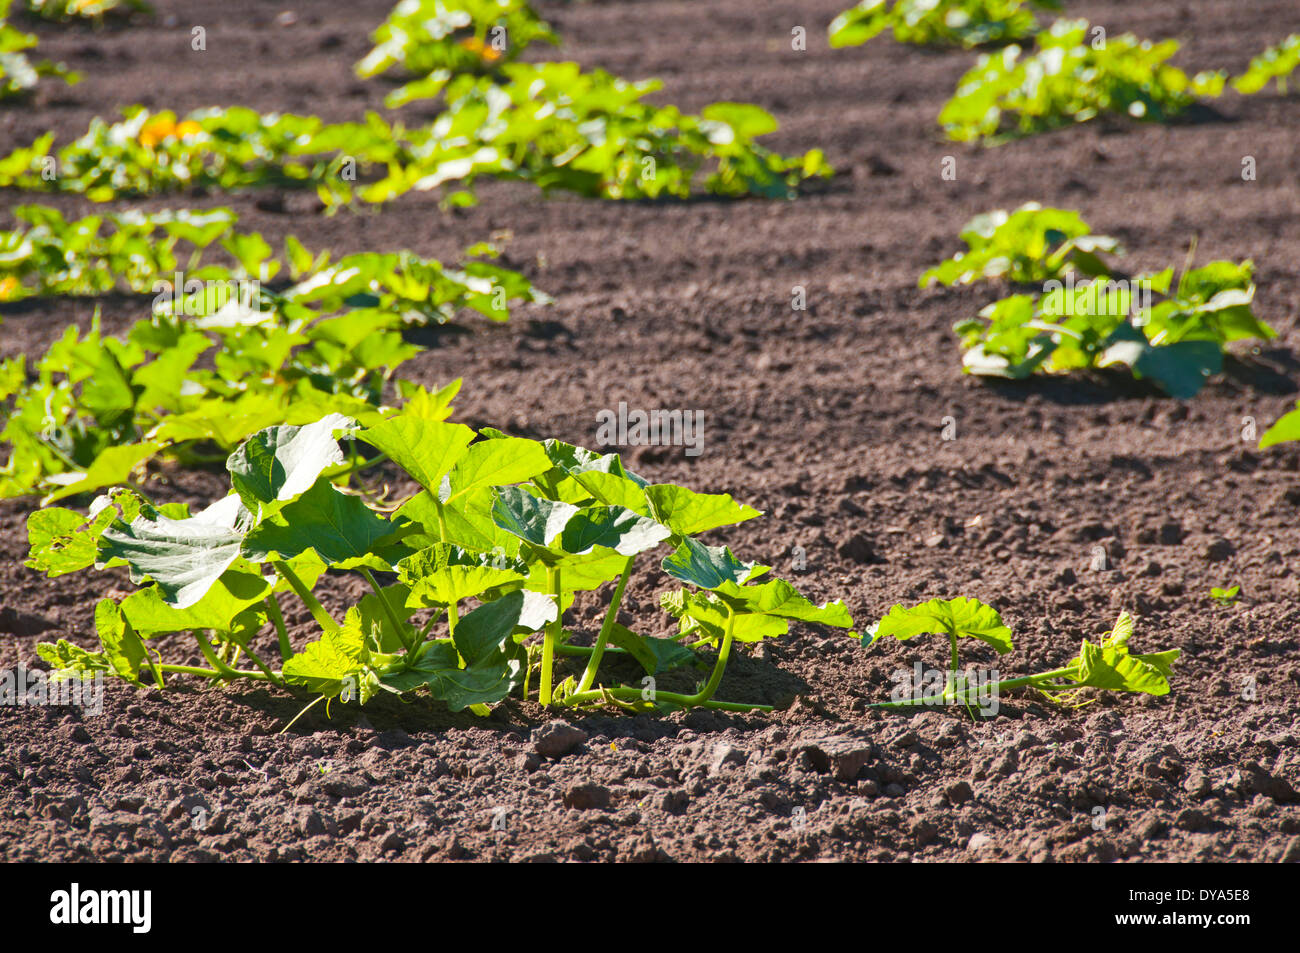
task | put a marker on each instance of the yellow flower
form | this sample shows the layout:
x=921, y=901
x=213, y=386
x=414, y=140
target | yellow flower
x=481, y=49
x=8, y=287
x=188, y=128
x=156, y=130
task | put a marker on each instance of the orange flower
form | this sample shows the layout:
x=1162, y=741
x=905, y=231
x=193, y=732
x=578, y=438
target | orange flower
x=156, y=130
x=160, y=128
x=481, y=49
x=8, y=287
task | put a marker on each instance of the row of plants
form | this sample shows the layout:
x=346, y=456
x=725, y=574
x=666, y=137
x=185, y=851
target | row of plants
x=470, y=579
x=19, y=75
x=964, y=23
x=1042, y=79
x=519, y=526
x=226, y=351
x=553, y=124
x=1089, y=315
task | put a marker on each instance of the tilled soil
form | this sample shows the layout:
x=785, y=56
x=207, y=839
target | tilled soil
x=834, y=421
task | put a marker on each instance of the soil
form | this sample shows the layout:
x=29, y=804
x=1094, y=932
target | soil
x=831, y=420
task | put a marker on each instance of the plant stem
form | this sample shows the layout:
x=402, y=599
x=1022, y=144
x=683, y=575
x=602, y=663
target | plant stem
x=389, y=613
x=208, y=672
x=277, y=619
x=585, y=651
x=327, y=624
x=721, y=664
x=686, y=701
x=552, y=636
x=952, y=641
x=224, y=670
x=611, y=616
x=969, y=693
x=266, y=669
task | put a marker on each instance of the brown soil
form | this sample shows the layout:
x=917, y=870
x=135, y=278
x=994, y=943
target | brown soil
x=829, y=420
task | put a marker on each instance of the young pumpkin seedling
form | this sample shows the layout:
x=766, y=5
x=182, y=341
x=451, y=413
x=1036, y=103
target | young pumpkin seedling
x=1106, y=664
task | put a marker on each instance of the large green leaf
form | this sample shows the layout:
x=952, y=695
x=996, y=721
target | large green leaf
x=279, y=463
x=611, y=527
x=439, y=670
x=442, y=574
x=467, y=523
x=656, y=656
x=778, y=598
x=709, y=567
x=238, y=588
x=962, y=617
x=184, y=556
x=1111, y=667
x=1179, y=369
x=326, y=664
x=484, y=634
x=426, y=449
x=688, y=513
x=338, y=526
x=498, y=462
x=531, y=518
x=113, y=465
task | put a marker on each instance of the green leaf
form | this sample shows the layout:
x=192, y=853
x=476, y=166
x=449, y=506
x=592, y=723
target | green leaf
x=337, y=526
x=114, y=465
x=237, y=589
x=531, y=518
x=495, y=463
x=186, y=556
x=1112, y=668
x=1286, y=429
x=122, y=646
x=426, y=449
x=611, y=527
x=1179, y=369
x=709, y=567
x=64, y=541
x=439, y=670
x=962, y=617
x=324, y=666
x=656, y=656
x=443, y=574
x=778, y=598
x=688, y=513
x=279, y=463
x=70, y=660
x=484, y=634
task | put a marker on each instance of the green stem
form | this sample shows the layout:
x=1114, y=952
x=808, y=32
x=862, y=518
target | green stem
x=327, y=624
x=971, y=694
x=611, y=616
x=347, y=469
x=266, y=669
x=585, y=651
x=277, y=619
x=208, y=672
x=721, y=664
x=224, y=670
x=552, y=636
x=389, y=613
x=952, y=641
x=686, y=701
